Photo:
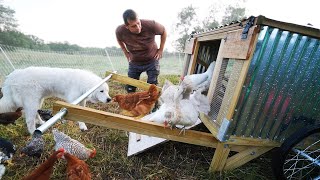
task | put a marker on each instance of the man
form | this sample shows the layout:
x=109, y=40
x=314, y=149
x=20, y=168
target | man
x=137, y=40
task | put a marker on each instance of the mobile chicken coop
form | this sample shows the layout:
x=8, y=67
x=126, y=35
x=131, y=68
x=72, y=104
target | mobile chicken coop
x=264, y=93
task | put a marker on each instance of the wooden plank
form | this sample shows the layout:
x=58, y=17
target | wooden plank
x=216, y=72
x=244, y=157
x=189, y=46
x=127, y=80
x=245, y=141
x=242, y=78
x=212, y=37
x=211, y=125
x=304, y=30
x=237, y=48
x=220, y=157
x=193, y=59
x=186, y=60
x=116, y=121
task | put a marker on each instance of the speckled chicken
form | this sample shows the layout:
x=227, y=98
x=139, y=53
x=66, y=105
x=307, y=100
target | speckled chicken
x=45, y=170
x=76, y=168
x=10, y=117
x=35, y=146
x=138, y=104
x=72, y=146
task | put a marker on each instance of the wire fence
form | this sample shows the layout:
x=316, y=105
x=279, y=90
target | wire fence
x=97, y=61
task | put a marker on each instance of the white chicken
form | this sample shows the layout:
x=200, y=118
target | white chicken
x=179, y=111
x=167, y=93
x=186, y=111
x=194, y=82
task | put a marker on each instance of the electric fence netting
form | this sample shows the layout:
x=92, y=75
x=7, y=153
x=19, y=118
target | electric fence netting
x=97, y=61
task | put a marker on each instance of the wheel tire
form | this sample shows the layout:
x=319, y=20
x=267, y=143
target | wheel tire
x=280, y=155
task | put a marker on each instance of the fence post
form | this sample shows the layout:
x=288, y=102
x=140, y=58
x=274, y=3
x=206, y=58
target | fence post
x=7, y=58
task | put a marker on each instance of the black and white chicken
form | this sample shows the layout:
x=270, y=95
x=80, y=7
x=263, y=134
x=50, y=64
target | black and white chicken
x=7, y=150
x=45, y=114
x=35, y=147
x=72, y=146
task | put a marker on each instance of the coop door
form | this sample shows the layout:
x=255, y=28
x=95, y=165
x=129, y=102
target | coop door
x=139, y=143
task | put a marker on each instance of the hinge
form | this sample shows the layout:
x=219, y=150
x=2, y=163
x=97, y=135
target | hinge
x=247, y=27
x=222, y=134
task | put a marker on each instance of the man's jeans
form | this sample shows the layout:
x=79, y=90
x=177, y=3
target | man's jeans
x=152, y=69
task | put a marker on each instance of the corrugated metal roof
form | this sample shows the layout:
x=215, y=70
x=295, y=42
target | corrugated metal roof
x=262, y=20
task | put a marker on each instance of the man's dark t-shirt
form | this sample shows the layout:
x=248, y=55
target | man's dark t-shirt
x=142, y=47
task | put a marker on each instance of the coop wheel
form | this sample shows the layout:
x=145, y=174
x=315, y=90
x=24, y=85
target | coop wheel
x=299, y=155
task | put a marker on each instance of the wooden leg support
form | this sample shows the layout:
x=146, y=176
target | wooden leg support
x=220, y=157
x=245, y=156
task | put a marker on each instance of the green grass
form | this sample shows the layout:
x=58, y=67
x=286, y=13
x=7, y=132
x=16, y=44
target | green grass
x=171, y=160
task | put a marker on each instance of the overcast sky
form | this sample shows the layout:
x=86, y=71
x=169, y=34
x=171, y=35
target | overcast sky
x=91, y=23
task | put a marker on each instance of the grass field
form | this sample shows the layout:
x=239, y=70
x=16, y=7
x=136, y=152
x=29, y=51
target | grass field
x=171, y=160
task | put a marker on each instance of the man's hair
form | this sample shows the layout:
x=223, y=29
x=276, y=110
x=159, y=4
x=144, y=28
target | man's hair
x=129, y=14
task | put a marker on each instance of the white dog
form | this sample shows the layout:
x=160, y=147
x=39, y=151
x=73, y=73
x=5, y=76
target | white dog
x=28, y=87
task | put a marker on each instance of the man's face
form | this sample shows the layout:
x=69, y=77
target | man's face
x=134, y=26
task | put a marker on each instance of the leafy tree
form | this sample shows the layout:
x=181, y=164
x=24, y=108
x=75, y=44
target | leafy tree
x=186, y=19
x=7, y=20
x=211, y=21
x=233, y=14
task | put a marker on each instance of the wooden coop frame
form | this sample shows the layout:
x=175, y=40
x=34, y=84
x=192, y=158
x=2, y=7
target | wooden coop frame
x=235, y=41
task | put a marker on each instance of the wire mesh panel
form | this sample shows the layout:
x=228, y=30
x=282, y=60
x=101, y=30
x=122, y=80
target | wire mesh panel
x=97, y=61
x=227, y=80
x=218, y=94
x=282, y=85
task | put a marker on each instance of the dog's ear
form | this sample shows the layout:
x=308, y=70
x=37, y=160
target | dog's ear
x=166, y=84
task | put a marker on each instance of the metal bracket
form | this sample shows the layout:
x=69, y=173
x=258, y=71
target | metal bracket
x=247, y=27
x=223, y=130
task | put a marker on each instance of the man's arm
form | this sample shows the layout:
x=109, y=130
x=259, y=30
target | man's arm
x=162, y=43
x=124, y=49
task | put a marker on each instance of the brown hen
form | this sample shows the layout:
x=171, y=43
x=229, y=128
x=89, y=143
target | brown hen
x=44, y=171
x=76, y=169
x=10, y=117
x=138, y=104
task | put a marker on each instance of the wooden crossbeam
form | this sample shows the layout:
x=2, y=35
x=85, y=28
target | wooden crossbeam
x=245, y=156
x=127, y=80
x=116, y=121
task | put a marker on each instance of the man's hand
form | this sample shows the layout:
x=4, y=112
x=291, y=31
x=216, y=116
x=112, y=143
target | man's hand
x=158, y=54
x=127, y=56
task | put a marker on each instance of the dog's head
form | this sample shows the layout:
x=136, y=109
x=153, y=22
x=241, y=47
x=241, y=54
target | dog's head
x=100, y=95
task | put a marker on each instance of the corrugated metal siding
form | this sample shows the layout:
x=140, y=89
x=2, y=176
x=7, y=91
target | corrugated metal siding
x=282, y=86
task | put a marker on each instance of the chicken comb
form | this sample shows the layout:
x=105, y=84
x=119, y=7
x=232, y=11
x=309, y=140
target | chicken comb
x=93, y=153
